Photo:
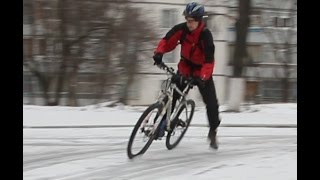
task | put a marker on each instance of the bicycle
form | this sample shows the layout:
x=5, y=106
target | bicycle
x=148, y=125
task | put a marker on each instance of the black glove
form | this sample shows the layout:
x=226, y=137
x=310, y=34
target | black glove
x=157, y=58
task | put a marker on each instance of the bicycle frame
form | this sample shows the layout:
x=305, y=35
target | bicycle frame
x=161, y=110
x=168, y=93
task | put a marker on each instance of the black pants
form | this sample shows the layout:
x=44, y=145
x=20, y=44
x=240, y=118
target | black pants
x=209, y=97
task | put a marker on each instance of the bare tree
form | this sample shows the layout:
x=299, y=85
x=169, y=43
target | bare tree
x=31, y=62
x=242, y=24
x=237, y=82
x=133, y=41
x=68, y=33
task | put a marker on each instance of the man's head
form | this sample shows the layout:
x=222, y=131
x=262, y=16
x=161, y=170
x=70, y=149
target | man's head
x=192, y=23
x=193, y=14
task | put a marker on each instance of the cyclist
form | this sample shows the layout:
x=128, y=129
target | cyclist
x=197, y=60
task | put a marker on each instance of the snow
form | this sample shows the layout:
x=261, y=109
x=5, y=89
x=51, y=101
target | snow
x=100, y=153
x=124, y=115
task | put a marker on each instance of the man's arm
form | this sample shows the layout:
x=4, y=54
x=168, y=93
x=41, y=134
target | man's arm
x=209, y=48
x=170, y=41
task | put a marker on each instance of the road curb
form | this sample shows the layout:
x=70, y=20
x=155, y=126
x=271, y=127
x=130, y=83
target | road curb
x=192, y=125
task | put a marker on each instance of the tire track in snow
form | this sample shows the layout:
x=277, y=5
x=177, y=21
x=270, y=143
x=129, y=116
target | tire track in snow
x=150, y=167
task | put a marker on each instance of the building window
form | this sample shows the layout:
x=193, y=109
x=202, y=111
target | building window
x=27, y=12
x=275, y=21
x=287, y=22
x=27, y=48
x=40, y=46
x=169, y=18
x=254, y=53
x=255, y=18
x=271, y=89
x=282, y=22
x=251, y=90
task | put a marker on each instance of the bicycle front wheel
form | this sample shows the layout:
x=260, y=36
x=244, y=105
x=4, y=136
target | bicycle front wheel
x=180, y=124
x=144, y=131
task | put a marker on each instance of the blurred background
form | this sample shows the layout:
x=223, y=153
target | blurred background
x=81, y=52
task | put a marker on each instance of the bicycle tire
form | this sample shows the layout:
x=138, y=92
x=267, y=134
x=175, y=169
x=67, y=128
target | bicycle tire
x=136, y=128
x=170, y=145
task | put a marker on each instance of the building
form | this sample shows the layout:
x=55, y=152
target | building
x=265, y=66
x=262, y=72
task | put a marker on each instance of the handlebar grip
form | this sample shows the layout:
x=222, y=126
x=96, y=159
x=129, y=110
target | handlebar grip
x=166, y=68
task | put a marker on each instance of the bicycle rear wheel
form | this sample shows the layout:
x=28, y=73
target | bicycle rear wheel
x=144, y=131
x=180, y=124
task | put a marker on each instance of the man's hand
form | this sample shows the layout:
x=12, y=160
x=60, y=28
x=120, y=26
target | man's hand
x=157, y=58
x=206, y=71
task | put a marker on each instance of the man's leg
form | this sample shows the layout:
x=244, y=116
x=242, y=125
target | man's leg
x=208, y=93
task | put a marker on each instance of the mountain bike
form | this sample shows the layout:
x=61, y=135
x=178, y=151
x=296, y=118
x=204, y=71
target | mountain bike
x=177, y=119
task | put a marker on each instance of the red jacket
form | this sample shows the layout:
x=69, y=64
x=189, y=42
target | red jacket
x=197, y=50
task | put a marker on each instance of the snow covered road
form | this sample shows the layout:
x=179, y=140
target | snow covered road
x=100, y=153
x=260, y=143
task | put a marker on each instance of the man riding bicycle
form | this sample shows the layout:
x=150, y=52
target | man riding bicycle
x=197, y=60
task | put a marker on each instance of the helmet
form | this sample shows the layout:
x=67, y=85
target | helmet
x=194, y=10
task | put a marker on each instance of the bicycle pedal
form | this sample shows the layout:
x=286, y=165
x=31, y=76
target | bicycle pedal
x=181, y=123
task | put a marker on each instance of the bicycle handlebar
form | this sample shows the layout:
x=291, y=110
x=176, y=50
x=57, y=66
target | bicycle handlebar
x=166, y=68
x=192, y=80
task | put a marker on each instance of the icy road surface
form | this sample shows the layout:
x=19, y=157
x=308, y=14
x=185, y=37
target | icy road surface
x=100, y=153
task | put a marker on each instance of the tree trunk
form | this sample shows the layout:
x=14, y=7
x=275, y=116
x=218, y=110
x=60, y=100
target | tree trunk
x=65, y=52
x=286, y=82
x=131, y=69
x=101, y=81
x=237, y=93
x=61, y=75
x=287, y=73
x=31, y=93
x=242, y=25
x=72, y=100
x=285, y=90
x=237, y=84
x=43, y=84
